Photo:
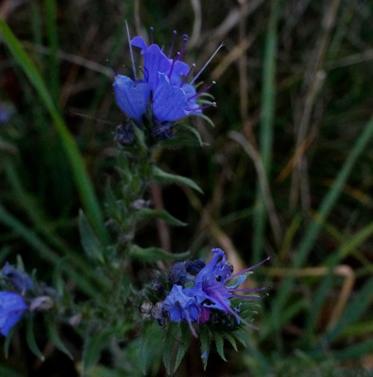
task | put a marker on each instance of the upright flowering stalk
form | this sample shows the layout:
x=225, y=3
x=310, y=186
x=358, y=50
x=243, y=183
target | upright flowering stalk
x=165, y=93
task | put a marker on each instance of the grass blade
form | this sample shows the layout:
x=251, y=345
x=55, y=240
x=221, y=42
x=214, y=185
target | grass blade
x=52, y=34
x=43, y=250
x=313, y=230
x=82, y=180
x=266, y=125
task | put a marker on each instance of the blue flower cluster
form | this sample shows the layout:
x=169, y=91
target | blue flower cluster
x=165, y=93
x=199, y=290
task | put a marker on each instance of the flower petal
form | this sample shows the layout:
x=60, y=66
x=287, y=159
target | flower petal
x=131, y=96
x=169, y=102
x=12, y=308
x=138, y=42
x=155, y=62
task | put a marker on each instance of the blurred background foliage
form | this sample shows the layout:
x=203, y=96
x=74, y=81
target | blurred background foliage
x=286, y=172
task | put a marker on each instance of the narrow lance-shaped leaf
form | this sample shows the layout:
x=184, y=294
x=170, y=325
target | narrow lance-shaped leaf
x=151, y=214
x=163, y=177
x=154, y=254
x=30, y=338
x=89, y=240
x=55, y=338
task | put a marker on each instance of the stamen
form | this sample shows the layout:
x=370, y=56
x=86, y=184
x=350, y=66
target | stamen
x=151, y=34
x=173, y=64
x=171, y=50
x=131, y=51
x=249, y=290
x=184, y=44
x=191, y=70
x=205, y=88
x=242, y=297
x=213, y=104
x=255, y=266
x=207, y=63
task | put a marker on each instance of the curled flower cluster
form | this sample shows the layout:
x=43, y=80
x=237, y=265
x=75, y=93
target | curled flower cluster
x=165, y=93
x=202, y=292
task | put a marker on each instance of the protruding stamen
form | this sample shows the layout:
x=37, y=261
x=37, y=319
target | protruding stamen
x=251, y=268
x=177, y=57
x=184, y=44
x=151, y=34
x=205, y=88
x=131, y=51
x=201, y=107
x=171, y=50
x=207, y=63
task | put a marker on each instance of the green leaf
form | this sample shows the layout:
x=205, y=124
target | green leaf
x=231, y=340
x=194, y=132
x=183, y=346
x=93, y=346
x=82, y=180
x=89, y=240
x=152, y=346
x=219, y=343
x=154, y=254
x=7, y=342
x=163, y=177
x=55, y=338
x=150, y=214
x=205, y=340
x=30, y=338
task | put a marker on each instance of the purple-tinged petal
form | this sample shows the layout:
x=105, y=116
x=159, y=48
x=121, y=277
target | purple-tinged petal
x=131, y=96
x=12, y=308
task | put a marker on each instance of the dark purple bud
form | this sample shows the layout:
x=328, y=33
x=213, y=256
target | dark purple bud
x=178, y=273
x=124, y=134
x=19, y=279
x=195, y=266
x=162, y=131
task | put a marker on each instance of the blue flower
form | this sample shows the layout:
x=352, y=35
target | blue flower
x=19, y=279
x=181, y=307
x=12, y=308
x=164, y=89
x=210, y=288
x=131, y=96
